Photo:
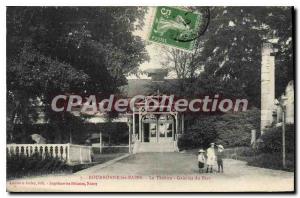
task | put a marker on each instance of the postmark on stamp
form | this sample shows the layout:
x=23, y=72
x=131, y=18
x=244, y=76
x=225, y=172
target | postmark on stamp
x=177, y=27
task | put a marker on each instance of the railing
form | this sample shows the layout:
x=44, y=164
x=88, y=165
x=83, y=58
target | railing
x=70, y=153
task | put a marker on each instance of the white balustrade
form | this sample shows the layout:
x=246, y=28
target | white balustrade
x=70, y=153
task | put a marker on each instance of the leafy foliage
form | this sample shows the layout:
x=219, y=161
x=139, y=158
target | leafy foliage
x=199, y=135
x=269, y=153
x=261, y=159
x=53, y=50
x=273, y=161
x=272, y=139
x=227, y=58
x=235, y=129
x=19, y=166
x=230, y=130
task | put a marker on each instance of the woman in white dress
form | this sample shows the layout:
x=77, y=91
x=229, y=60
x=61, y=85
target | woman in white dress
x=211, y=157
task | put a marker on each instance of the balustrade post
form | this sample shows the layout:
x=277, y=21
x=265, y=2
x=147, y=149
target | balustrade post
x=44, y=152
x=56, y=151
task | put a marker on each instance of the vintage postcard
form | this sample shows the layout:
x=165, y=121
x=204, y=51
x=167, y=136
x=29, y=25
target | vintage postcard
x=150, y=99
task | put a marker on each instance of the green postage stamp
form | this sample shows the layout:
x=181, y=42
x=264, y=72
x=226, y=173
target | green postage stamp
x=176, y=27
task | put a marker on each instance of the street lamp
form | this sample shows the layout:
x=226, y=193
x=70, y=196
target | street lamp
x=281, y=104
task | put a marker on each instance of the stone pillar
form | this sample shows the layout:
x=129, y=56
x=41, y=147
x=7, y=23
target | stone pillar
x=253, y=138
x=267, y=85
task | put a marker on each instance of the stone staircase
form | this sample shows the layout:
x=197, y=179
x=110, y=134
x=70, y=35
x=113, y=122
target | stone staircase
x=147, y=147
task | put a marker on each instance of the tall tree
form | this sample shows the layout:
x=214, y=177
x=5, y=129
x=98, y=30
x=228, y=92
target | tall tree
x=230, y=52
x=78, y=50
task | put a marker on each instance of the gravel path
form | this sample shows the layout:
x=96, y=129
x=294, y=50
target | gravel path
x=164, y=172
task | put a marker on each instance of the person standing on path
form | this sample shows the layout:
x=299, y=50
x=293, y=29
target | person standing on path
x=211, y=157
x=201, y=160
x=220, y=156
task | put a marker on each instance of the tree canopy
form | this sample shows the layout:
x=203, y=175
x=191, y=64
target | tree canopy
x=227, y=58
x=78, y=50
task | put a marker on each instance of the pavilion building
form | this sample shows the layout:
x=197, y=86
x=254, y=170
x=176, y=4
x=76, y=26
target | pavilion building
x=155, y=131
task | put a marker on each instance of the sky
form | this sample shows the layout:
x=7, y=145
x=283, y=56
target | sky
x=154, y=50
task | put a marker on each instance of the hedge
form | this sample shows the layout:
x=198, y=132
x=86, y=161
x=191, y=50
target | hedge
x=272, y=139
x=20, y=166
x=230, y=130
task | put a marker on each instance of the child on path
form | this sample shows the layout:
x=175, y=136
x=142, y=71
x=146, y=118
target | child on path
x=211, y=157
x=220, y=156
x=201, y=160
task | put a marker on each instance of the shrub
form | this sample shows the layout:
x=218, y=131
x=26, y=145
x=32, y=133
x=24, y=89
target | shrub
x=199, y=135
x=272, y=160
x=19, y=166
x=234, y=129
x=272, y=139
x=230, y=130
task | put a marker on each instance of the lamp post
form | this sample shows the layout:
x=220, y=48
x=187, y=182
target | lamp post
x=283, y=138
x=280, y=103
